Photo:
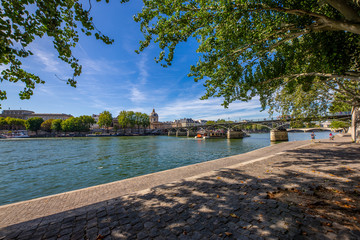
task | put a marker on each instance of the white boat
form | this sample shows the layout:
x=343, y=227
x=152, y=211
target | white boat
x=17, y=134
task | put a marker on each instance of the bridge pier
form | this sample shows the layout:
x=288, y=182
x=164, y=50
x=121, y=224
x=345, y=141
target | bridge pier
x=180, y=133
x=278, y=135
x=235, y=134
x=190, y=133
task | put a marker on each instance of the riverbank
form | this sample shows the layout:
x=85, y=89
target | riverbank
x=239, y=196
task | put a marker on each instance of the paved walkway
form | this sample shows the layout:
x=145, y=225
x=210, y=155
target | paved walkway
x=241, y=197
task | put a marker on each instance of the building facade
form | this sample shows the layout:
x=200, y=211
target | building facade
x=26, y=114
x=154, y=122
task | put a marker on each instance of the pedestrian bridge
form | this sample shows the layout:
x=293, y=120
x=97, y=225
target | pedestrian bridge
x=319, y=129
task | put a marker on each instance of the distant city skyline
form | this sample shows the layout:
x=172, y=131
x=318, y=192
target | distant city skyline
x=115, y=78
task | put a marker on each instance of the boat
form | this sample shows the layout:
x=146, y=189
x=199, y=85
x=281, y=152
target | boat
x=199, y=135
x=203, y=136
x=16, y=134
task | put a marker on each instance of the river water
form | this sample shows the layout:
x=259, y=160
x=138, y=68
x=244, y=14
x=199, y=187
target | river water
x=31, y=168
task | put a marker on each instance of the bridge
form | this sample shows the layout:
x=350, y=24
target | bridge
x=313, y=129
x=234, y=129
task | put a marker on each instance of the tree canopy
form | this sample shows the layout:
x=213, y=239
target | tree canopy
x=34, y=124
x=105, y=119
x=46, y=125
x=56, y=125
x=74, y=124
x=339, y=124
x=11, y=123
x=262, y=48
x=130, y=118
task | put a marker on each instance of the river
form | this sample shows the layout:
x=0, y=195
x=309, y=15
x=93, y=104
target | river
x=31, y=168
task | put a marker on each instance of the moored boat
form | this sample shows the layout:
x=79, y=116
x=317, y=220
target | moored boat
x=16, y=134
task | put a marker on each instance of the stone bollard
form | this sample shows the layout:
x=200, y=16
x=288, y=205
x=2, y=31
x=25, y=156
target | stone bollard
x=278, y=135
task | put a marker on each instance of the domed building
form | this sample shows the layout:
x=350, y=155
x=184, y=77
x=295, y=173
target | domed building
x=154, y=117
x=154, y=121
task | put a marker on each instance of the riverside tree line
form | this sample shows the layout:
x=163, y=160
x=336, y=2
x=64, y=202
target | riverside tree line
x=126, y=119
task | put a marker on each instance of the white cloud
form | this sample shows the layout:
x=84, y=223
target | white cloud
x=210, y=109
x=46, y=90
x=143, y=72
x=49, y=60
x=102, y=67
x=136, y=95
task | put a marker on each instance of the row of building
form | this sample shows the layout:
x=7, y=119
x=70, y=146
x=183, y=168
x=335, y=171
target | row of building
x=185, y=122
x=154, y=118
x=26, y=114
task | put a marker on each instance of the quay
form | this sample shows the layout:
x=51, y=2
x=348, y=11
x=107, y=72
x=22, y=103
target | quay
x=248, y=196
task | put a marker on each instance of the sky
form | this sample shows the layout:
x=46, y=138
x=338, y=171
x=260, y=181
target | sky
x=115, y=78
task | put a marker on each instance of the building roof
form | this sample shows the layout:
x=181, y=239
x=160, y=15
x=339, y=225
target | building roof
x=153, y=114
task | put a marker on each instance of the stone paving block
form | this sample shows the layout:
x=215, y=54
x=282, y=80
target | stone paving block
x=91, y=233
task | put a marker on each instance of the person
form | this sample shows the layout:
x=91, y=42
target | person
x=312, y=136
x=331, y=136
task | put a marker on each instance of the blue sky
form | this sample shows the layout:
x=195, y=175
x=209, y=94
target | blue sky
x=115, y=78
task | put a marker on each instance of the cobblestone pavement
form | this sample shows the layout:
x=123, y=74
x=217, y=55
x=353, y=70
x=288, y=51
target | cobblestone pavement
x=230, y=203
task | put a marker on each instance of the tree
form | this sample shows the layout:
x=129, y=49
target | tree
x=221, y=121
x=46, y=126
x=210, y=122
x=3, y=123
x=131, y=118
x=297, y=124
x=105, y=120
x=138, y=120
x=14, y=123
x=86, y=122
x=339, y=106
x=123, y=119
x=339, y=124
x=70, y=125
x=276, y=50
x=145, y=122
x=76, y=124
x=34, y=124
x=56, y=125
x=23, y=21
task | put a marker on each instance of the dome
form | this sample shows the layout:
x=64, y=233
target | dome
x=153, y=114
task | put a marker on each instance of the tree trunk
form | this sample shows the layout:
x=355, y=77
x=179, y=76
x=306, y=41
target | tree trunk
x=354, y=118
